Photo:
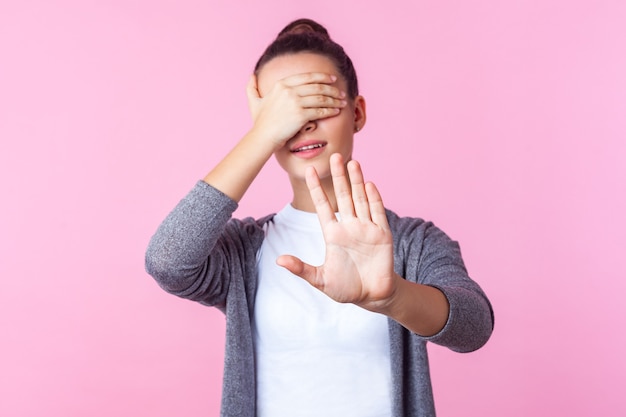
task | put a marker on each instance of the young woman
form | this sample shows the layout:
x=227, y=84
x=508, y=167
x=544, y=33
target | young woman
x=347, y=338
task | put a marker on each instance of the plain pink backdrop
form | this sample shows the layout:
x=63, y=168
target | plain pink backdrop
x=504, y=122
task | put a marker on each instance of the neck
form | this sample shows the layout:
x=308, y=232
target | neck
x=302, y=197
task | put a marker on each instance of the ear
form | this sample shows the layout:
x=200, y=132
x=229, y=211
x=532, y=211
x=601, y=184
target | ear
x=360, y=114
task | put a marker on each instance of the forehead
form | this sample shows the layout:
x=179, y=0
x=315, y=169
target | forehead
x=284, y=66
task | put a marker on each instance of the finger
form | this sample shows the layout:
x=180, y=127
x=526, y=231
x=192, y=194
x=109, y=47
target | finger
x=324, y=210
x=318, y=96
x=309, y=78
x=318, y=89
x=319, y=113
x=376, y=206
x=341, y=184
x=321, y=102
x=299, y=268
x=359, y=196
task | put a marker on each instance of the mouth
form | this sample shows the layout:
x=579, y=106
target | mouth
x=307, y=148
x=303, y=147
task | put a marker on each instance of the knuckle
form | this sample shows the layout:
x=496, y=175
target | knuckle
x=343, y=192
x=290, y=94
x=359, y=198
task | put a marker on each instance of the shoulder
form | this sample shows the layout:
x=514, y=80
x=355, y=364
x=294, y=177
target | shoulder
x=216, y=217
x=399, y=224
x=414, y=236
x=410, y=228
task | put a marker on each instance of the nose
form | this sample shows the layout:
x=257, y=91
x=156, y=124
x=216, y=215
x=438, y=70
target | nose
x=308, y=127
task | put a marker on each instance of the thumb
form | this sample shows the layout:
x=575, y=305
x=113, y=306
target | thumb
x=299, y=268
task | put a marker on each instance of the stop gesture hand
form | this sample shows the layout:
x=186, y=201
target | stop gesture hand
x=358, y=266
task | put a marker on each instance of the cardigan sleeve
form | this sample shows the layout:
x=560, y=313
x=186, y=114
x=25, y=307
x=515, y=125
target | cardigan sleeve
x=426, y=255
x=190, y=253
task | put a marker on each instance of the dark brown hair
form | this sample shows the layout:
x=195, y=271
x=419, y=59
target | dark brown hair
x=306, y=35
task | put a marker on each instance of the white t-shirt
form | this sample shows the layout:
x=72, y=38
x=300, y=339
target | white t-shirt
x=314, y=356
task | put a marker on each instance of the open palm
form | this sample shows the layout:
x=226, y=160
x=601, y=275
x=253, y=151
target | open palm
x=358, y=267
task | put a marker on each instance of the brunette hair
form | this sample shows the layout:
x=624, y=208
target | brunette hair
x=306, y=35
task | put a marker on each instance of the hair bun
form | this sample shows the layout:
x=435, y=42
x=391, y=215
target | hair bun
x=304, y=26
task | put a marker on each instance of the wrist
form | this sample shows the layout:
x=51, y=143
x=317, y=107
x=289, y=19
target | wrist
x=392, y=306
x=260, y=139
x=263, y=140
x=420, y=308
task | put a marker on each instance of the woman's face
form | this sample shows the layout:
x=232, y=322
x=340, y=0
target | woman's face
x=335, y=132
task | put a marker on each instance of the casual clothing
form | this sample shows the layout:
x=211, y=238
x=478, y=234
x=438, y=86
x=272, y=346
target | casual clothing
x=201, y=253
x=303, y=339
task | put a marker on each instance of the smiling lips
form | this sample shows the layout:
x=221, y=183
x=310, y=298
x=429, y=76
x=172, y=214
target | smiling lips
x=308, y=149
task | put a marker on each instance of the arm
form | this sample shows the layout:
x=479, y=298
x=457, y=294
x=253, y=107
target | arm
x=194, y=250
x=278, y=116
x=420, y=308
x=359, y=264
x=433, y=259
x=188, y=254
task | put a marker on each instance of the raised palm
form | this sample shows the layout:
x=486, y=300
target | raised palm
x=358, y=266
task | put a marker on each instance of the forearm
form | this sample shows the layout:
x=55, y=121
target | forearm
x=422, y=309
x=234, y=174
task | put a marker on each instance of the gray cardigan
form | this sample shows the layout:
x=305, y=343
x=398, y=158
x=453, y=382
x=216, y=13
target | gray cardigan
x=201, y=253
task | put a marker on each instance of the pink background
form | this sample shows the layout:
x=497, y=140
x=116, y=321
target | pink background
x=504, y=122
